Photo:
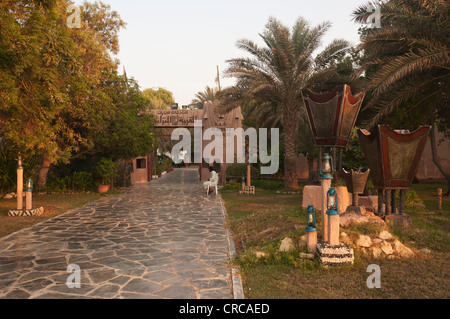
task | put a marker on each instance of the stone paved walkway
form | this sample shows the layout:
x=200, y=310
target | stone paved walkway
x=162, y=239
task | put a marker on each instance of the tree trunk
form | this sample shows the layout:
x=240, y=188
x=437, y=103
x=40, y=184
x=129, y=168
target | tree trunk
x=46, y=162
x=435, y=158
x=290, y=152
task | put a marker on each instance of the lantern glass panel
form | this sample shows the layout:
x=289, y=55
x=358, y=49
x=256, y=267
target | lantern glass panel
x=29, y=184
x=331, y=202
x=310, y=218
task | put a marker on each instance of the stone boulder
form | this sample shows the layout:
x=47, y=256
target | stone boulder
x=345, y=219
x=385, y=235
x=364, y=241
x=402, y=250
x=287, y=244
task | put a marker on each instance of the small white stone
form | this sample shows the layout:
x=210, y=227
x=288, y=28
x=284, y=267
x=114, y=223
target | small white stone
x=286, y=244
x=260, y=254
x=306, y=256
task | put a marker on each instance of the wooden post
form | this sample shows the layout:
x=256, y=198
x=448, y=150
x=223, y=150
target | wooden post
x=402, y=202
x=334, y=164
x=355, y=199
x=341, y=153
x=333, y=229
x=380, y=202
x=387, y=202
x=393, y=201
x=249, y=182
x=319, y=161
x=439, y=198
x=326, y=184
x=20, y=185
x=28, y=199
x=311, y=241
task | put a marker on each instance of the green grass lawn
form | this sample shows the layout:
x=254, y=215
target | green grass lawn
x=259, y=222
x=54, y=204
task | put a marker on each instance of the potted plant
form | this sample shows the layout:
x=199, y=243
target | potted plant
x=159, y=169
x=107, y=170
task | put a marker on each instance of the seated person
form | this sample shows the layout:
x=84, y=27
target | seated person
x=212, y=178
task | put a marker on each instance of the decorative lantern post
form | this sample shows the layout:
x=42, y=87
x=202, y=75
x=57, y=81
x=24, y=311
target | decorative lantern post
x=311, y=229
x=393, y=157
x=29, y=194
x=332, y=116
x=356, y=182
x=333, y=217
x=19, y=184
x=326, y=175
x=29, y=210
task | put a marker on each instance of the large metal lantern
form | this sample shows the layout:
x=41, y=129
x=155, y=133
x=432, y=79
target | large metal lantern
x=393, y=157
x=332, y=115
x=355, y=180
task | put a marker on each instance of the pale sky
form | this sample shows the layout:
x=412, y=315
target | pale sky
x=178, y=44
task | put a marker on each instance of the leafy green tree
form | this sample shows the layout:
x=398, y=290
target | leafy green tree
x=160, y=98
x=60, y=91
x=125, y=132
x=271, y=79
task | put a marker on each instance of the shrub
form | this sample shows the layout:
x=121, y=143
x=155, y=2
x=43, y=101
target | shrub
x=232, y=187
x=78, y=181
x=106, y=169
x=82, y=181
x=412, y=200
x=237, y=169
x=268, y=184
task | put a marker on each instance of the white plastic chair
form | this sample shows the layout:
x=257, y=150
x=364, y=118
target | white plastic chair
x=213, y=183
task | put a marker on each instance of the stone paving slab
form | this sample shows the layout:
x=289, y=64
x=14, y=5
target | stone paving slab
x=163, y=239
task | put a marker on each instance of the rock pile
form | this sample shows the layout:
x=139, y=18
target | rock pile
x=383, y=245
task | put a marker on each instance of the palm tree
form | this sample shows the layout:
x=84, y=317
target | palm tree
x=407, y=59
x=209, y=94
x=406, y=65
x=271, y=79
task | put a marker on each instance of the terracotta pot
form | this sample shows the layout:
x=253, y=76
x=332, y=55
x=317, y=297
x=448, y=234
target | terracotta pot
x=159, y=174
x=103, y=188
